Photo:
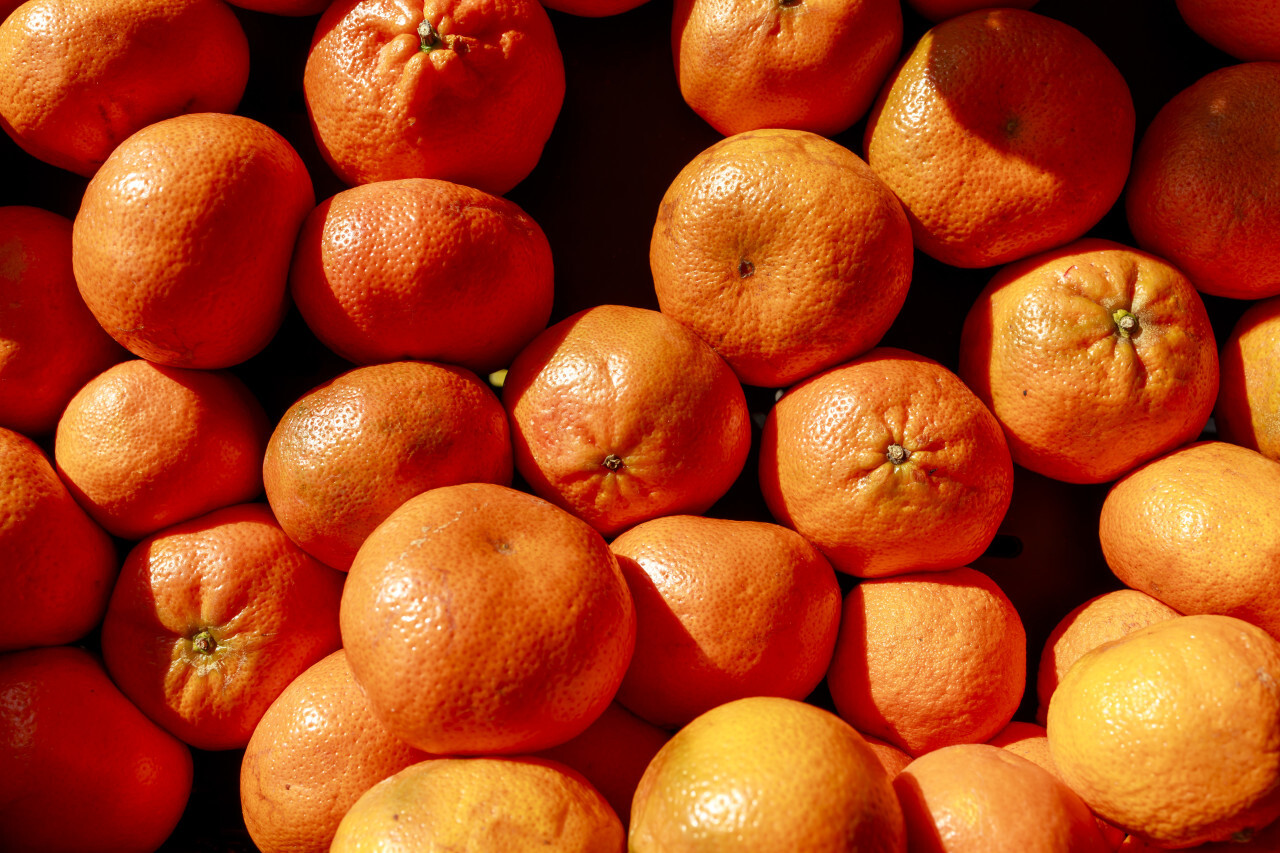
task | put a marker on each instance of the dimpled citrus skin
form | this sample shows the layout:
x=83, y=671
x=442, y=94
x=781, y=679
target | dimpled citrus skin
x=1199, y=529
x=1248, y=408
x=317, y=748
x=724, y=609
x=143, y=446
x=1192, y=702
x=974, y=798
x=347, y=453
x=50, y=345
x=782, y=250
x=1027, y=128
x=1081, y=397
x=620, y=414
x=424, y=269
x=1099, y=620
x=480, y=619
x=58, y=564
x=930, y=659
x=825, y=466
x=269, y=610
x=182, y=243
x=475, y=109
x=1246, y=29
x=1203, y=185
x=810, y=65
x=81, y=768
x=70, y=93
x=447, y=804
x=766, y=774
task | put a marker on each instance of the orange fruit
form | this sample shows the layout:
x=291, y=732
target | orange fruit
x=890, y=757
x=1027, y=128
x=347, y=453
x=1248, y=408
x=620, y=414
x=940, y=10
x=69, y=94
x=317, y=748
x=1203, y=177
x=1099, y=620
x=1246, y=29
x=50, y=344
x=812, y=65
x=81, y=768
x=978, y=797
x=888, y=464
x=1199, y=529
x=1172, y=732
x=929, y=659
x=1028, y=740
x=1094, y=357
x=212, y=618
x=481, y=804
x=380, y=76
x=422, y=269
x=724, y=609
x=612, y=754
x=765, y=774
x=784, y=251
x=58, y=565
x=142, y=446
x=1265, y=840
x=480, y=619
x=182, y=243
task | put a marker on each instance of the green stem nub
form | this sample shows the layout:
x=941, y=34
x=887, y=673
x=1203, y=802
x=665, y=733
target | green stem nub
x=1127, y=323
x=204, y=643
x=428, y=37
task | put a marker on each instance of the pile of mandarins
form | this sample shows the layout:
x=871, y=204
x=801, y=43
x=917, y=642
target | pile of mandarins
x=364, y=489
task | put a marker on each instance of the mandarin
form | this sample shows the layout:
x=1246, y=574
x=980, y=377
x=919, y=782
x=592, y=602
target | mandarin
x=317, y=748
x=929, y=659
x=1099, y=620
x=1172, y=733
x=783, y=251
x=345, y=454
x=1199, y=529
x=422, y=269
x=212, y=618
x=58, y=565
x=766, y=774
x=69, y=94
x=621, y=414
x=50, y=344
x=143, y=446
x=480, y=619
x=479, y=804
x=1205, y=179
x=978, y=798
x=182, y=243
x=888, y=464
x=81, y=768
x=462, y=90
x=1246, y=29
x=724, y=609
x=1095, y=358
x=1248, y=408
x=801, y=64
x=1027, y=129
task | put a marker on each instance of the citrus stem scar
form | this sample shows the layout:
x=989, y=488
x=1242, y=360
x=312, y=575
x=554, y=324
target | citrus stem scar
x=1126, y=321
x=897, y=454
x=428, y=37
x=204, y=643
x=612, y=462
